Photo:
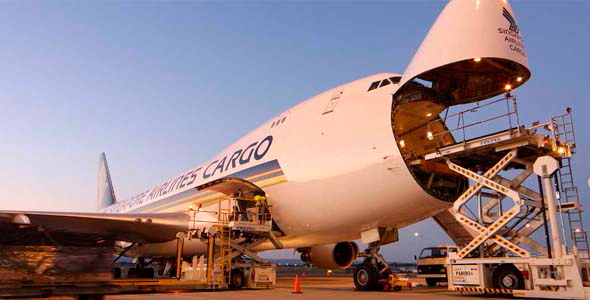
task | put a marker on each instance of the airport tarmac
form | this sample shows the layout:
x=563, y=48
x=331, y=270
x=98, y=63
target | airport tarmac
x=312, y=288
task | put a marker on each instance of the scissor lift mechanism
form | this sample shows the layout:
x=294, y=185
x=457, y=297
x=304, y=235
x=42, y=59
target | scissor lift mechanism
x=503, y=235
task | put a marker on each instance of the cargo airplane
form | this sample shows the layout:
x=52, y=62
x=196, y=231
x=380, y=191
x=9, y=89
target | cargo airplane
x=362, y=179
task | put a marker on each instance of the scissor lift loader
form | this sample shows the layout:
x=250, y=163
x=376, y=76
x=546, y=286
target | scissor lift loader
x=506, y=216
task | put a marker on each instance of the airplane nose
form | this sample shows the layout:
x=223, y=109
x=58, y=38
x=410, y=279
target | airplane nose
x=472, y=52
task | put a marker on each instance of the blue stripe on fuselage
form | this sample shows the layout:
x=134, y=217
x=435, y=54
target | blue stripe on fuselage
x=194, y=194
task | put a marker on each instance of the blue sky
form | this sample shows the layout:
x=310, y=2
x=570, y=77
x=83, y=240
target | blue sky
x=162, y=86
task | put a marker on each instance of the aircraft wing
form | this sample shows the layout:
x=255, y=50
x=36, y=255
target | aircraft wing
x=140, y=228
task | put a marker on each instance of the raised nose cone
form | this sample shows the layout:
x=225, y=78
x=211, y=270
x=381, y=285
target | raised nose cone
x=472, y=52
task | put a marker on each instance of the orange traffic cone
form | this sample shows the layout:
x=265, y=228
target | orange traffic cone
x=296, y=287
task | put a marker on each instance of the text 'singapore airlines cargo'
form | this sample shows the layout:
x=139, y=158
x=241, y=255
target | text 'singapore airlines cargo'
x=334, y=168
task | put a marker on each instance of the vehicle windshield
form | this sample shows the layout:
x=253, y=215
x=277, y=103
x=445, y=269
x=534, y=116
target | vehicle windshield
x=434, y=252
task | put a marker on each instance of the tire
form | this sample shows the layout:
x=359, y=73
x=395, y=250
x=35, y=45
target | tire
x=172, y=272
x=365, y=277
x=508, y=277
x=431, y=282
x=132, y=273
x=236, y=280
x=147, y=273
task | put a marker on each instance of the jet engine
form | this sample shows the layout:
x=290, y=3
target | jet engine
x=331, y=256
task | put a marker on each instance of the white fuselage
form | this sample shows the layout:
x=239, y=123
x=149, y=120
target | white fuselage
x=331, y=170
x=330, y=166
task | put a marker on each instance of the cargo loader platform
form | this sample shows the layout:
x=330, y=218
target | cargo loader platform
x=496, y=216
x=35, y=262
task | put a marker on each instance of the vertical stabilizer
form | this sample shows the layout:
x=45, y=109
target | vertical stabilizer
x=106, y=193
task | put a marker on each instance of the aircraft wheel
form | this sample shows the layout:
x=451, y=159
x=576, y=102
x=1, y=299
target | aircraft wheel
x=147, y=273
x=132, y=273
x=431, y=282
x=508, y=277
x=236, y=280
x=365, y=277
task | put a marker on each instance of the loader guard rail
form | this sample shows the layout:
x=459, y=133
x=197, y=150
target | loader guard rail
x=499, y=166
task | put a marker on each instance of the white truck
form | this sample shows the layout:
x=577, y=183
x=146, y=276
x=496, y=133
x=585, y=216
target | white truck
x=431, y=263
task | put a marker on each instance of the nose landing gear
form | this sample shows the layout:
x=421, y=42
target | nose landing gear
x=368, y=275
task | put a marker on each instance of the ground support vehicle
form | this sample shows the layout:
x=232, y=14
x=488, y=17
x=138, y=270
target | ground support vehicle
x=431, y=263
x=395, y=283
x=37, y=263
x=501, y=214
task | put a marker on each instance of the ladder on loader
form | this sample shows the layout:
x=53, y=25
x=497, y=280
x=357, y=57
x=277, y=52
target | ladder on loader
x=568, y=196
x=224, y=237
x=509, y=212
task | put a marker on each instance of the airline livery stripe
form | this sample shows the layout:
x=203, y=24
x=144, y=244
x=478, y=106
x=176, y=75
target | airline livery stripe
x=264, y=171
x=208, y=198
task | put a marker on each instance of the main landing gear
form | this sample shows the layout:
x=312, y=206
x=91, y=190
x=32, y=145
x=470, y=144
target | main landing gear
x=370, y=275
x=141, y=270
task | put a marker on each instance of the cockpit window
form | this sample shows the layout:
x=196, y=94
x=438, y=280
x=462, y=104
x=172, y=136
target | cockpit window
x=384, y=82
x=374, y=85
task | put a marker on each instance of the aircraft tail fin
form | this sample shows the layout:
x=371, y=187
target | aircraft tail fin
x=106, y=192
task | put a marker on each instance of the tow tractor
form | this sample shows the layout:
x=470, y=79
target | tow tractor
x=517, y=234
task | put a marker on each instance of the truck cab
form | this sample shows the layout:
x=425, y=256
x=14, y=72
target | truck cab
x=431, y=263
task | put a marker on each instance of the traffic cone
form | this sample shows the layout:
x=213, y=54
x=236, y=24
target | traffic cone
x=296, y=287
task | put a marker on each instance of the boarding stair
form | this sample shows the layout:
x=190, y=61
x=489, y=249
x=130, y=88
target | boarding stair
x=460, y=234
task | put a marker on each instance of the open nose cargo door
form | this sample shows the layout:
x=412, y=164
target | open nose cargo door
x=473, y=50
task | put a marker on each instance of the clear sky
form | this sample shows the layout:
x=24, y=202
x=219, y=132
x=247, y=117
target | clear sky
x=162, y=86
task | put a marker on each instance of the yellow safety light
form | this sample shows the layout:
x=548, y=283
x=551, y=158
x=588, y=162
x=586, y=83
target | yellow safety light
x=578, y=230
x=508, y=87
x=259, y=198
x=519, y=79
x=561, y=150
x=429, y=114
x=477, y=59
x=429, y=135
x=402, y=143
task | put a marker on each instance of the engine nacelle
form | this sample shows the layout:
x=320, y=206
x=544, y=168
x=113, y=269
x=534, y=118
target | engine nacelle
x=331, y=256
